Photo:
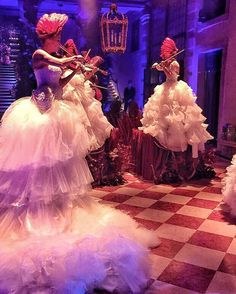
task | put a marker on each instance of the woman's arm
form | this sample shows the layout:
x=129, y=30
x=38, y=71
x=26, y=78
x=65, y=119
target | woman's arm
x=162, y=66
x=41, y=58
x=171, y=69
x=157, y=66
x=64, y=81
x=89, y=74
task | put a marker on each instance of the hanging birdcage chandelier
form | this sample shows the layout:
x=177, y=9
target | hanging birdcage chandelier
x=114, y=28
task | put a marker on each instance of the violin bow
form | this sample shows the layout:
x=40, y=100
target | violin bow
x=156, y=64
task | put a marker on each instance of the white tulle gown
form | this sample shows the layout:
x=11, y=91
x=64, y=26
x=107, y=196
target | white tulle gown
x=229, y=186
x=172, y=116
x=54, y=238
x=79, y=91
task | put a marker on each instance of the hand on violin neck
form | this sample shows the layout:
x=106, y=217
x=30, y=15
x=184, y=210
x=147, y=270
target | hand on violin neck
x=79, y=58
x=164, y=63
x=76, y=58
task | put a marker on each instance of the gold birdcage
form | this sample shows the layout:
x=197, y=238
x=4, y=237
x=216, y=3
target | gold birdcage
x=114, y=28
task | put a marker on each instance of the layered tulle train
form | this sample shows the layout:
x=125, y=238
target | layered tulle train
x=98, y=247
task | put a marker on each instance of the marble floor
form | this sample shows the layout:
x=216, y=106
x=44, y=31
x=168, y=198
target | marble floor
x=198, y=238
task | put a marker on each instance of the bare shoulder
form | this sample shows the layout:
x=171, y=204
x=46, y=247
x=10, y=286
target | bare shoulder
x=38, y=58
x=39, y=53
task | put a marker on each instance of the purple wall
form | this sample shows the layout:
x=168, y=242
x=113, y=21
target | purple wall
x=218, y=33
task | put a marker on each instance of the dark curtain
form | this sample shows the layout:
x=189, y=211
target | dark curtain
x=212, y=76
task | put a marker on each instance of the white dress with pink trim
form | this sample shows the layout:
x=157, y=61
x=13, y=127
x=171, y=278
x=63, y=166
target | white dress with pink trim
x=54, y=237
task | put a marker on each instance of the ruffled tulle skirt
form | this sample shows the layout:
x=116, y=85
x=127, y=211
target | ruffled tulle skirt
x=82, y=95
x=98, y=247
x=229, y=186
x=54, y=238
x=42, y=155
x=174, y=119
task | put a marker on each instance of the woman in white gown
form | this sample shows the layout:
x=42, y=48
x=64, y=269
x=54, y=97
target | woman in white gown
x=79, y=90
x=229, y=187
x=54, y=238
x=171, y=114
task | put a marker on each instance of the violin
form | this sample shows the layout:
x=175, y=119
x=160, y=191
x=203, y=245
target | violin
x=85, y=67
x=73, y=65
x=167, y=61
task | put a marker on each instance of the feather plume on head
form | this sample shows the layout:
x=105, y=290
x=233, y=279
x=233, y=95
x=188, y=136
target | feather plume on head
x=50, y=25
x=168, y=48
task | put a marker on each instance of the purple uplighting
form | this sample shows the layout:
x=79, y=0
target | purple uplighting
x=117, y=146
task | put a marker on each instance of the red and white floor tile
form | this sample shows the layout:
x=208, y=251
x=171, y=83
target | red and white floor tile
x=198, y=249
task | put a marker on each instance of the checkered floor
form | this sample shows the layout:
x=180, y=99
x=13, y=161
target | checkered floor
x=198, y=249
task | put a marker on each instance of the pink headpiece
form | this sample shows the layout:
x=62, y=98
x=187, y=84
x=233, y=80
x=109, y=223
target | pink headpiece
x=168, y=48
x=50, y=24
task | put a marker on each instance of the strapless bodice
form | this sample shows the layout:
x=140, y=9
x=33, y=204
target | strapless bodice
x=48, y=75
